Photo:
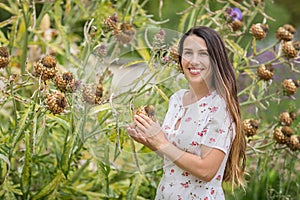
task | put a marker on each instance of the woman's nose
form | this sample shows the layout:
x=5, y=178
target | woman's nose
x=194, y=60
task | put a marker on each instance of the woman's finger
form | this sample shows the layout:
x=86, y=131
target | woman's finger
x=146, y=118
x=141, y=124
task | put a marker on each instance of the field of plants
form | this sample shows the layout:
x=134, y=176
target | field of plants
x=72, y=73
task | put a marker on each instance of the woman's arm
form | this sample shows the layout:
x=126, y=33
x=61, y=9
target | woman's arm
x=205, y=168
x=150, y=134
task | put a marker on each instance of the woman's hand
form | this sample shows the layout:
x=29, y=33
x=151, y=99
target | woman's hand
x=146, y=131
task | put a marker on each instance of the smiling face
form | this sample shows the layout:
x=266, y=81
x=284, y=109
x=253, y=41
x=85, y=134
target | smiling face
x=196, y=62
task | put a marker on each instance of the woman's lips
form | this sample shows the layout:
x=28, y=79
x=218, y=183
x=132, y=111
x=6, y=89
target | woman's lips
x=195, y=71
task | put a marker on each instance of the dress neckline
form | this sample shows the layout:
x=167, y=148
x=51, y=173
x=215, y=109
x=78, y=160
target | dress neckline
x=204, y=97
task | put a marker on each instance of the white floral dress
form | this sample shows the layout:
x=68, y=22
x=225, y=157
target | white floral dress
x=204, y=122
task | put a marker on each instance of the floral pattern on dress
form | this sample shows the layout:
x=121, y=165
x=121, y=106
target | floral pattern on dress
x=205, y=122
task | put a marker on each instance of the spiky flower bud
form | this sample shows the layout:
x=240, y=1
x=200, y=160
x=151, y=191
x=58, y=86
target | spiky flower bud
x=287, y=131
x=66, y=82
x=125, y=34
x=4, y=57
x=99, y=90
x=101, y=50
x=296, y=45
x=290, y=86
x=289, y=28
x=285, y=119
x=279, y=136
x=250, y=127
x=259, y=31
x=265, y=72
x=289, y=50
x=284, y=34
x=92, y=94
x=148, y=110
x=293, y=115
x=56, y=102
x=111, y=21
x=236, y=25
x=46, y=68
x=293, y=142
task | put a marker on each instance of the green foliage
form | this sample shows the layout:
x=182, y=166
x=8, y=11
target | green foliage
x=118, y=46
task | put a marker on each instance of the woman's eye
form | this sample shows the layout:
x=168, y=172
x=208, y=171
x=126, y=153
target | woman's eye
x=187, y=53
x=203, y=53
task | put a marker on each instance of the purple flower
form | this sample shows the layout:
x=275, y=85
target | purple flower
x=235, y=13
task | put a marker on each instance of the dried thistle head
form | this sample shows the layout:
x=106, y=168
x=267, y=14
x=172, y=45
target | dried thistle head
x=284, y=34
x=56, y=102
x=279, y=136
x=289, y=50
x=46, y=68
x=125, y=34
x=285, y=119
x=287, y=131
x=111, y=21
x=259, y=31
x=290, y=28
x=293, y=142
x=101, y=50
x=290, y=86
x=250, y=127
x=4, y=57
x=236, y=25
x=66, y=82
x=265, y=72
x=293, y=115
x=92, y=94
x=296, y=45
x=147, y=110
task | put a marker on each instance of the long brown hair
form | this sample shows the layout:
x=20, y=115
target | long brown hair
x=225, y=83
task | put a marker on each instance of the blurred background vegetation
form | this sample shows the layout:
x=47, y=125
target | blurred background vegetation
x=82, y=151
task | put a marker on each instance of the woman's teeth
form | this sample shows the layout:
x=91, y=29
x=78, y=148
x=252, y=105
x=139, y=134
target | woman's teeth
x=196, y=71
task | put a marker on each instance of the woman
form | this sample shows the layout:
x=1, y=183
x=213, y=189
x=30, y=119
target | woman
x=201, y=138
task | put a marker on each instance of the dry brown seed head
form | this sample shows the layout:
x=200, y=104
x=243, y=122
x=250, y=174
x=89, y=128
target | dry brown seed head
x=293, y=143
x=56, y=102
x=279, y=136
x=49, y=61
x=289, y=50
x=289, y=86
x=284, y=34
x=125, y=34
x=265, y=72
x=289, y=28
x=286, y=130
x=296, y=45
x=250, y=127
x=236, y=25
x=259, y=31
x=4, y=57
x=293, y=115
x=285, y=119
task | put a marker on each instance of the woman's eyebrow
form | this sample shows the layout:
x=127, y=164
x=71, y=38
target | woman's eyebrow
x=189, y=49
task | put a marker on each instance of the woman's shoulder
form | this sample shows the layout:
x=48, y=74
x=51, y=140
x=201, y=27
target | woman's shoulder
x=218, y=101
x=178, y=94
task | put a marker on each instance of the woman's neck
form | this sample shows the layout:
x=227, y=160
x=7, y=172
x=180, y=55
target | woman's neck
x=199, y=91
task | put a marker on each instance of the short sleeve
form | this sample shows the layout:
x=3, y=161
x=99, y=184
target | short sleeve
x=219, y=130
